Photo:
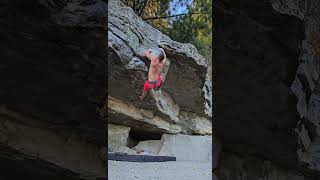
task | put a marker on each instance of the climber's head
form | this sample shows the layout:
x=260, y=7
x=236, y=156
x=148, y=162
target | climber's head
x=157, y=54
x=162, y=55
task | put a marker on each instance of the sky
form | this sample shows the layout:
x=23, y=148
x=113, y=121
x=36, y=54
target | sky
x=180, y=9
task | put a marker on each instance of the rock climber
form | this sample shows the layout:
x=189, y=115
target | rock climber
x=155, y=80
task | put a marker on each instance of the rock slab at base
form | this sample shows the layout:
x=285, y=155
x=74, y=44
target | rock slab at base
x=117, y=137
x=184, y=147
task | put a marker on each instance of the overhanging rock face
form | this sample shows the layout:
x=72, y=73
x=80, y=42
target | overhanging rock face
x=267, y=77
x=185, y=97
x=53, y=74
x=34, y=141
x=306, y=83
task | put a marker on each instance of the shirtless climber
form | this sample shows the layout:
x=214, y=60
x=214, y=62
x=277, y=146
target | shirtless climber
x=155, y=80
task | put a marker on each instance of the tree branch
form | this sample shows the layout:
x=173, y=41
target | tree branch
x=143, y=6
x=165, y=17
x=134, y=5
x=164, y=9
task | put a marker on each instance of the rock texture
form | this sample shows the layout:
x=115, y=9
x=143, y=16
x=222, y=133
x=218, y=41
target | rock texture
x=53, y=75
x=36, y=142
x=237, y=167
x=183, y=105
x=266, y=83
x=118, y=136
x=306, y=82
x=183, y=147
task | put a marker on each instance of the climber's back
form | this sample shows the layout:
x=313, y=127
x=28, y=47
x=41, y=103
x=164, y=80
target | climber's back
x=157, y=63
x=158, y=60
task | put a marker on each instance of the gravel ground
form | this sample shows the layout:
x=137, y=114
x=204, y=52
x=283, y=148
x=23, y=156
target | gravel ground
x=178, y=170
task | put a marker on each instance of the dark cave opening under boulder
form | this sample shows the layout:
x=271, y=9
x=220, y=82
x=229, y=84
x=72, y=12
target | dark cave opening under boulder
x=136, y=135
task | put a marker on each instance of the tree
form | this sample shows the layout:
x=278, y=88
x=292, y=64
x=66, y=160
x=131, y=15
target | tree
x=150, y=8
x=193, y=25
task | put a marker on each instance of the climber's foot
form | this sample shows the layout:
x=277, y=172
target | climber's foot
x=143, y=95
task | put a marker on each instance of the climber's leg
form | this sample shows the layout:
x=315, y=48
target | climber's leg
x=146, y=88
x=160, y=81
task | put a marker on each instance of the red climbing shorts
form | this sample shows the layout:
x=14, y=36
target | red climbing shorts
x=148, y=85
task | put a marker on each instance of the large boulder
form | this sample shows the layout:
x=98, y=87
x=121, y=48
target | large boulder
x=267, y=66
x=183, y=105
x=53, y=74
x=306, y=83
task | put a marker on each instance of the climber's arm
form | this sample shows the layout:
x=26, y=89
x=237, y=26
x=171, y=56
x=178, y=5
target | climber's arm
x=164, y=61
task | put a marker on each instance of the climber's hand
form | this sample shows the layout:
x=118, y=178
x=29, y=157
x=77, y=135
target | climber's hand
x=165, y=56
x=162, y=51
x=147, y=53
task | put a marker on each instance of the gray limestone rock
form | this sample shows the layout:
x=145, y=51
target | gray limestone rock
x=118, y=137
x=186, y=87
x=183, y=147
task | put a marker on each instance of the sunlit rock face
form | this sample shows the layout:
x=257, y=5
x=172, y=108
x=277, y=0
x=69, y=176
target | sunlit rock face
x=267, y=68
x=183, y=105
x=53, y=75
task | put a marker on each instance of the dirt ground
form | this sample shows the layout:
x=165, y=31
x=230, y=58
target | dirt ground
x=178, y=170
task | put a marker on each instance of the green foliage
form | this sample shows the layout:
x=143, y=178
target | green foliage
x=155, y=8
x=194, y=26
